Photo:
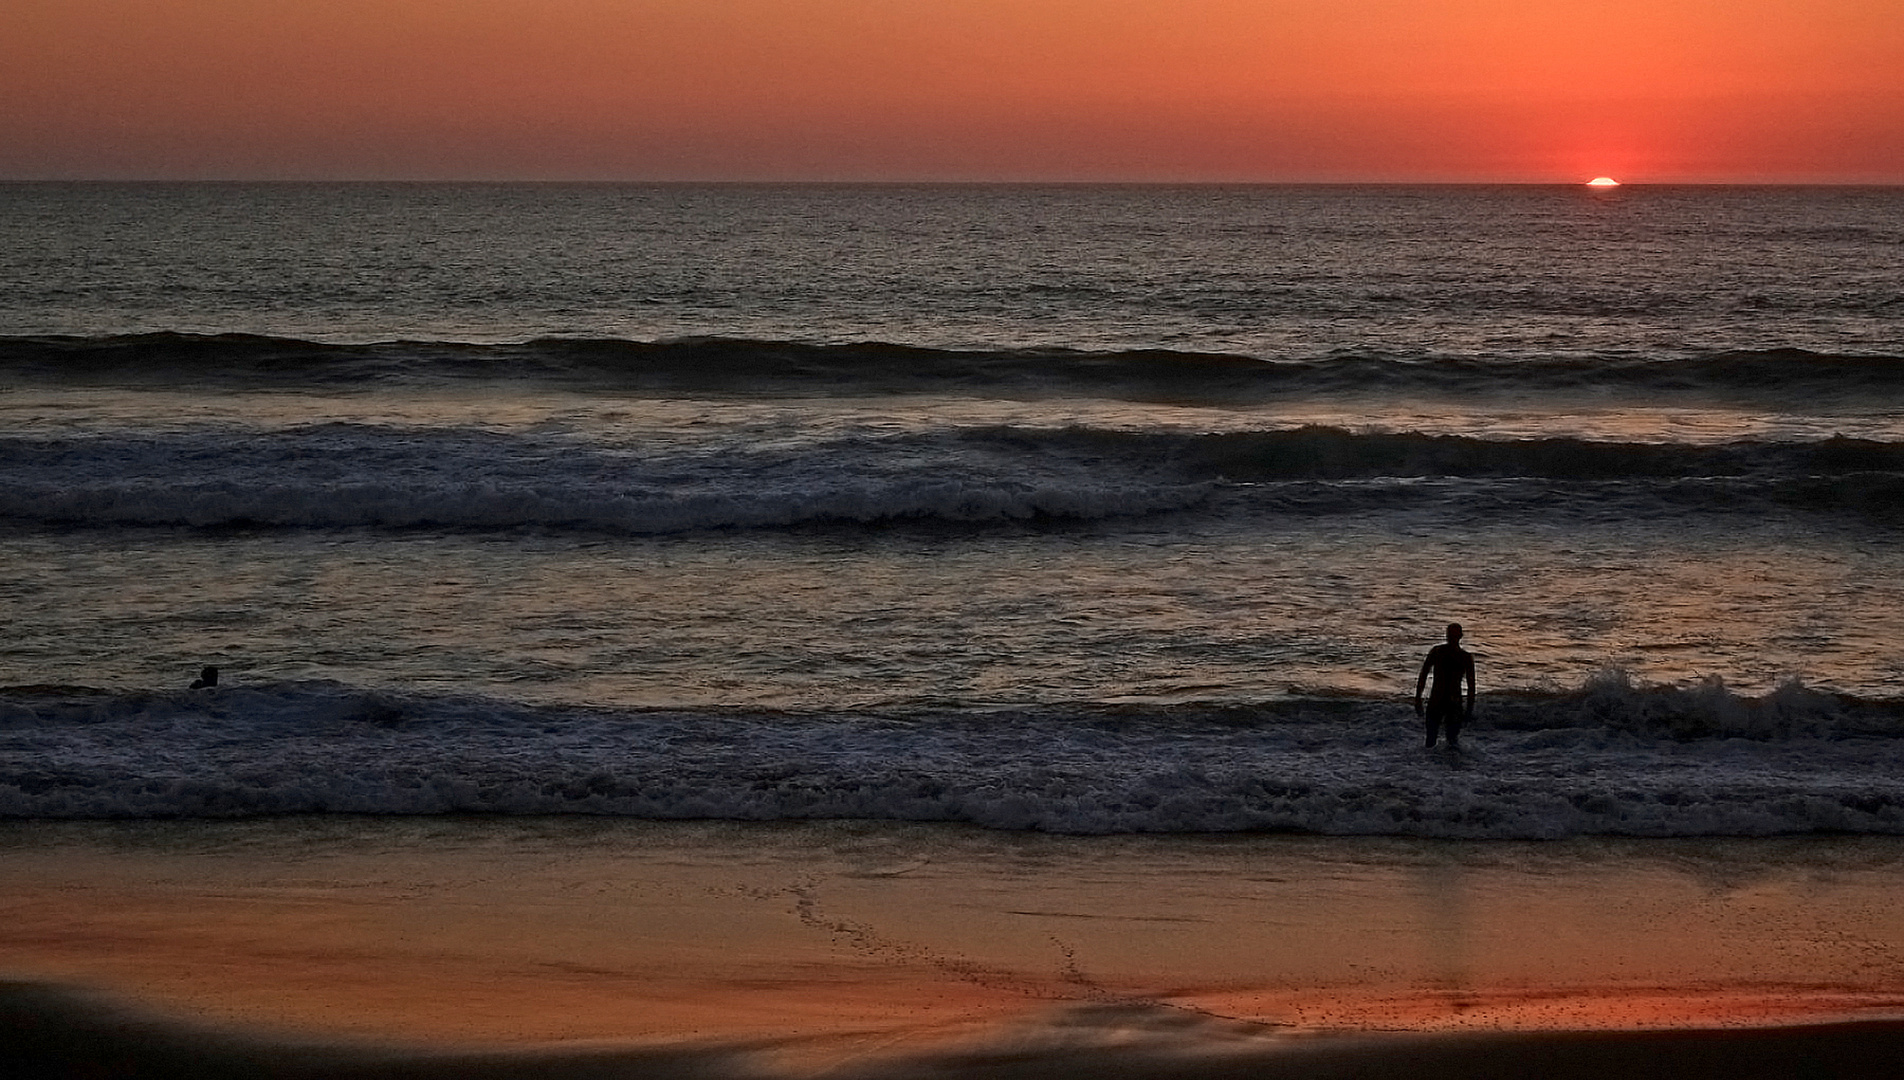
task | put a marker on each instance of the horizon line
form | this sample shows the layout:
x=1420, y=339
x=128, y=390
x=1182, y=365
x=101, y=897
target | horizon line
x=864, y=182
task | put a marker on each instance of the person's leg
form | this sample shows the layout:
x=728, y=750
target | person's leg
x=1433, y=721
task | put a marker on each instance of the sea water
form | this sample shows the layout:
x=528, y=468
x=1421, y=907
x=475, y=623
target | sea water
x=1082, y=509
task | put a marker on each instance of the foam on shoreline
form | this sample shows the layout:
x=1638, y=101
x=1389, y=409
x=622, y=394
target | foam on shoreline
x=1613, y=758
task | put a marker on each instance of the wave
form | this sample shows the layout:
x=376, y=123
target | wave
x=738, y=366
x=1318, y=452
x=1610, y=759
x=368, y=476
x=350, y=476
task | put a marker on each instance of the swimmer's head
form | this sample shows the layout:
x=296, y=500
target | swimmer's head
x=1454, y=631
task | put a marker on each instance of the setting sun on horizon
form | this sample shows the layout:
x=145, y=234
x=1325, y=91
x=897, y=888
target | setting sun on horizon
x=1190, y=90
x=766, y=539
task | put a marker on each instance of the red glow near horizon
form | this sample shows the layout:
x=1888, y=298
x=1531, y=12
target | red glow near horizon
x=1539, y=90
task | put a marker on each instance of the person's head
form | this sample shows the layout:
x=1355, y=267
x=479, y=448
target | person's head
x=1454, y=632
x=209, y=676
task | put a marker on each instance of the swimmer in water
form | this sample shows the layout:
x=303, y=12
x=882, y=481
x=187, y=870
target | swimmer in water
x=1452, y=667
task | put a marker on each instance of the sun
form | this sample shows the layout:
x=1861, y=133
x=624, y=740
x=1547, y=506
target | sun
x=1603, y=182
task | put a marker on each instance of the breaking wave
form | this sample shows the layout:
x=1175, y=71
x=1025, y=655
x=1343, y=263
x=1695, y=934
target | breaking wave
x=1610, y=759
x=367, y=476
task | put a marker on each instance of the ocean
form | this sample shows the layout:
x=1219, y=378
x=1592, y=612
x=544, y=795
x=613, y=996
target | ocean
x=1071, y=509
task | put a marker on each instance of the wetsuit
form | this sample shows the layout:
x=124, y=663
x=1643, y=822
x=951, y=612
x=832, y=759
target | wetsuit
x=1450, y=665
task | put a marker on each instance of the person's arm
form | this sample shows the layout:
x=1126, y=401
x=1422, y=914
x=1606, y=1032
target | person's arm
x=1422, y=679
x=1467, y=673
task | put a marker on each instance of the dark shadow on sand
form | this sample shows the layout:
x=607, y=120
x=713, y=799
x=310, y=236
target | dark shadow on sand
x=50, y=1033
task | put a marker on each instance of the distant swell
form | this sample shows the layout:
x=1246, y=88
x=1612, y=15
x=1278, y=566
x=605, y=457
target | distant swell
x=487, y=506
x=741, y=366
x=1609, y=759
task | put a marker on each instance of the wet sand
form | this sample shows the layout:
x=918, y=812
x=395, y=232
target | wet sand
x=835, y=944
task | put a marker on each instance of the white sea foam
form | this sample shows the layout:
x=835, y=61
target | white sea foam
x=1610, y=761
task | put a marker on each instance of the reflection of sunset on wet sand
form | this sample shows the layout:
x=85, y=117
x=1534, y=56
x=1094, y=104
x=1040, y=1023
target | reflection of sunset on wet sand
x=854, y=936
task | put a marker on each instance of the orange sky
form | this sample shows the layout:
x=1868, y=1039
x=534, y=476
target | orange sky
x=1700, y=90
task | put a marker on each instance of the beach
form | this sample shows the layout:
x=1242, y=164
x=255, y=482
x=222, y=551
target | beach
x=833, y=945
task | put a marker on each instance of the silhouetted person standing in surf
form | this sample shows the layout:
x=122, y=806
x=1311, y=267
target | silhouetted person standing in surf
x=1452, y=666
